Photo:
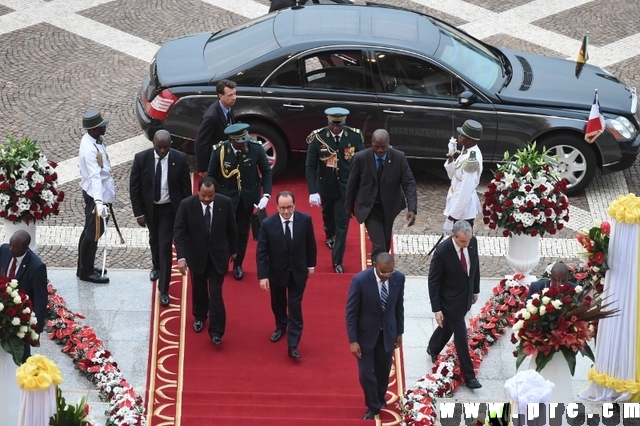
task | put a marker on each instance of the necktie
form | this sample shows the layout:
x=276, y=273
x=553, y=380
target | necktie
x=384, y=295
x=287, y=234
x=380, y=168
x=337, y=140
x=158, y=182
x=239, y=156
x=229, y=117
x=207, y=219
x=12, y=269
x=463, y=260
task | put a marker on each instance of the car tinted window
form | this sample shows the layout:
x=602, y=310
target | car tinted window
x=337, y=70
x=287, y=76
x=406, y=75
x=229, y=50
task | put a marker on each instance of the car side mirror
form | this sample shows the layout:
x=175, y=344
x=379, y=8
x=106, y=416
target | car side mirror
x=466, y=98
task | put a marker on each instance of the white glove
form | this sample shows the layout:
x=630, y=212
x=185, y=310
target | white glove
x=314, y=200
x=101, y=209
x=453, y=146
x=263, y=202
x=447, y=228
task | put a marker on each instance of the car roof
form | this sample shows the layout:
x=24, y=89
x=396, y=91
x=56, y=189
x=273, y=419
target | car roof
x=372, y=25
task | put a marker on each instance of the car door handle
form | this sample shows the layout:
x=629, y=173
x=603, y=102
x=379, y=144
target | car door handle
x=393, y=112
x=294, y=106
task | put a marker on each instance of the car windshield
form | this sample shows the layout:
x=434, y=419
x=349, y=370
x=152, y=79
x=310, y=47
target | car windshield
x=468, y=57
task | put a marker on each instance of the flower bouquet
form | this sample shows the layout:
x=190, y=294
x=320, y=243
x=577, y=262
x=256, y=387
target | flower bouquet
x=595, y=242
x=17, y=320
x=28, y=183
x=559, y=319
x=526, y=195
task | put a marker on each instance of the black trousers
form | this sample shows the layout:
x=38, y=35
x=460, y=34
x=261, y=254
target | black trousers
x=373, y=370
x=207, y=299
x=243, y=223
x=160, y=242
x=87, y=245
x=440, y=337
x=288, y=297
x=336, y=224
x=379, y=229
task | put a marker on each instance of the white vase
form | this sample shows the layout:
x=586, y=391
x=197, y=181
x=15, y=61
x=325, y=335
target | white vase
x=9, y=390
x=10, y=228
x=557, y=372
x=523, y=254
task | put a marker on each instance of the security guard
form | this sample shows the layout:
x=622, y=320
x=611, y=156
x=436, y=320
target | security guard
x=329, y=155
x=240, y=166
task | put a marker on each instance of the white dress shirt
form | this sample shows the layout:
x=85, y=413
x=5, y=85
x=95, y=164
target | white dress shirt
x=18, y=263
x=164, y=182
x=95, y=180
x=284, y=225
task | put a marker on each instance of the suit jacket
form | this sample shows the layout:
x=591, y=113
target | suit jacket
x=273, y=257
x=450, y=288
x=538, y=286
x=365, y=316
x=32, y=278
x=143, y=174
x=211, y=132
x=331, y=182
x=362, y=186
x=252, y=160
x=192, y=241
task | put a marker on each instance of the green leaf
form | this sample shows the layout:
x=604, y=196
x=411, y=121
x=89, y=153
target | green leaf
x=587, y=352
x=521, y=357
x=570, y=357
x=542, y=360
x=14, y=346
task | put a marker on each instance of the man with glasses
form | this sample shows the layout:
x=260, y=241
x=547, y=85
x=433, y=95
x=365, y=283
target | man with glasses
x=375, y=325
x=286, y=258
x=329, y=156
x=454, y=284
x=379, y=182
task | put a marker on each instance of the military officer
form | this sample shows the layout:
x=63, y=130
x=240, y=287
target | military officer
x=329, y=155
x=240, y=167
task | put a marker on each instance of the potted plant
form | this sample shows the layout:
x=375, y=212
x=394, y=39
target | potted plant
x=28, y=186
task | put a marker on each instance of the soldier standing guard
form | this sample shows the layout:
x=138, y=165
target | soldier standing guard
x=329, y=155
x=240, y=167
x=465, y=171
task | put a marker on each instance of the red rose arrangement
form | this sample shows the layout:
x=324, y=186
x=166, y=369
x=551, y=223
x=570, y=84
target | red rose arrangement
x=17, y=320
x=526, y=195
x=28, y=183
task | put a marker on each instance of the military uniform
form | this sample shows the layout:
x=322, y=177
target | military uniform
x=327, y=170
x=240, y=174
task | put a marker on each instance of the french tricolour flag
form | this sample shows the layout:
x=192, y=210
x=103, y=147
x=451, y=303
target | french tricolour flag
x=595, y=125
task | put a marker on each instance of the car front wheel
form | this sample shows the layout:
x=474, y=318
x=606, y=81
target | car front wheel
x=273, y=144
x=577, y=161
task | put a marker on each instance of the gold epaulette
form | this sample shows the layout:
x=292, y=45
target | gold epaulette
x=218, y=145
x=353, y=129
x=313, y=134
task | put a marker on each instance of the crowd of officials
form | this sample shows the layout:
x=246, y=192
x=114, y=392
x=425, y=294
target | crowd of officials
x=210, y=229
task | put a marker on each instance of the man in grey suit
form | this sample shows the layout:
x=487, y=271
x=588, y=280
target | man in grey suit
x=286, y=257
x=454, y=284
x=375, y=325
x=379, y=182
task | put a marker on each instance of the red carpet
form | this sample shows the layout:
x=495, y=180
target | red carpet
x=249, y=380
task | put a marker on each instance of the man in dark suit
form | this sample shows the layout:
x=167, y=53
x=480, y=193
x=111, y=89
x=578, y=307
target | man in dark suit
x=454, y=284
x=286, y=258
x=240, y=167
x=19, y=262
x=215, y=119
x=206, y=241
x=375, y=325
x=159, y=181
x=331, y=149
x=379, y=182
x=559, y=276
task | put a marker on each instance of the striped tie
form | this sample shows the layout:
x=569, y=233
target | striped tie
x=384, y=295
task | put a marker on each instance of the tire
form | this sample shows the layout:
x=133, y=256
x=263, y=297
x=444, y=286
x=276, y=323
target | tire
x=274, y=145
x=577, y=160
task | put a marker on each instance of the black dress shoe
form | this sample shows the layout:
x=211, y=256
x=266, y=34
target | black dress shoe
x=277, y=335
x=164, y=299
x=434, y=358
x=197, y=326
x=96, y=270
x=330, y=242
x=238, y=273
x=95, y=278
x=474, y=384
x=216, y=340
x=339, y=269
x=154, y=275
x=293, y=352
x=369, y=415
